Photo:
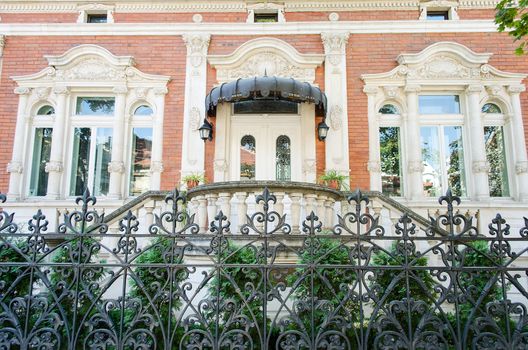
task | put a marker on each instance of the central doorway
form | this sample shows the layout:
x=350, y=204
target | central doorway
x=266, y=147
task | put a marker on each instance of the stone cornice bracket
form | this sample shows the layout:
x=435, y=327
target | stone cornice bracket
x=120, y=90
x=265, y=7
x=412, y=88
x=370, y=90
x=61, y=90
x=53, y=167
x=335, y=45
x=516, y=89
x=95, y=8
x=22, y=90
x=474, y=88
x=521, y=168
x=160, y=91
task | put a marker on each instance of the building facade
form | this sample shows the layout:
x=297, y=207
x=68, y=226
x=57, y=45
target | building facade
x=421, y=96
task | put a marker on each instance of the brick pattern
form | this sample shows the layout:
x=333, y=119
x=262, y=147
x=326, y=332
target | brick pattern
x=38, y=17
x=385, y=15
x=231, y=17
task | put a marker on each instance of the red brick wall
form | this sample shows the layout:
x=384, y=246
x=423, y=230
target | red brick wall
x=232, y=17
x=154, y=55
x=385, y=15
x=38, y=17
x=373, y=53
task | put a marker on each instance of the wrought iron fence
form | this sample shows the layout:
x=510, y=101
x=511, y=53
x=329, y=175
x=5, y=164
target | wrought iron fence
x=359, y=286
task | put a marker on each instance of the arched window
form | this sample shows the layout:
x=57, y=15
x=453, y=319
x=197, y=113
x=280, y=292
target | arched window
x=491, y=108
x=143, y=110
x=247, y=158
x=283, y=159
x=389, y=109
x=46, y=110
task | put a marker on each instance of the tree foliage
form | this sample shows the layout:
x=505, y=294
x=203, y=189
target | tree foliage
x=512, y=17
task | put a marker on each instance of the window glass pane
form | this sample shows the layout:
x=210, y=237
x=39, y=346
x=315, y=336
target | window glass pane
x=247, y=158
x=46, y=110
x=41, y=155
x=80, y=160
x=140, y=168
x=143, y=110
x=266, y=17
x=103, y=155
x=431, y=176
x=496, y=156
x=390, y=161
x=437, y=15
x=389, y=109
x=283, y=159
x=439, y=104
x=454, y=160
x=95, y=106
x=265, y=107
x=97, y=18
x=491, y=108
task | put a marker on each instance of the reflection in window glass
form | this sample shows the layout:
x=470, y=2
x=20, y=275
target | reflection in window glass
x=389, y=109
x=95, y=106
x=491, y=108
x=80, y=159
x=46, y=110
x=439, y=104
x=390, y=161
x=443, y=160
x=41, y=155
x=103, y=155
x=496, y=157
x=247, y=158
x=283, y=159
x=141, y=155
x=143, y=110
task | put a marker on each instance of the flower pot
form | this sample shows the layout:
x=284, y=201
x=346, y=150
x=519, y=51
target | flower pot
x=191, y=184
x=333, y=184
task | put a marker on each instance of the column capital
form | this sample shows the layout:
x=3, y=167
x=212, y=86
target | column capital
x=2, y=44
x=412, y=88
x=480, y=166
x=474, y=88
x=53, y=167
x=61, y=90
x=15, y=167
x=156, y=167
x=335, y=42
x=120, y=90
x=160, y=91
x=197, y=44
x=116, y=167
x=516, y=88
x=22, y=90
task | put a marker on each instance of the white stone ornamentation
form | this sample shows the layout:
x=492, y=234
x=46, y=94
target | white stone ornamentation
x=194, y=118
x=42, y=93
x=415, y=166
x=92, y=69
x=441, y=67
x=336, y=117
x=22, y=90
x=141, y=92
x=197, y=18
x=116, y=167
x=197, y=46
x=53, y=167
x=334, y=46
x=333, y=17
x=15, y=167
x=480, y=167
x=156, y=167
x=220, y=165
x=521, y=168
x=309, y=166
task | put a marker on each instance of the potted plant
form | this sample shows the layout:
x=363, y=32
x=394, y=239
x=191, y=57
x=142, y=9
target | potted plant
x=333, y=179
x=193, y=180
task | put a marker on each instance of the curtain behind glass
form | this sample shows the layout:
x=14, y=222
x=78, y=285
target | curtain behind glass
x=140, y=163
x=80, y=160
x=41, y=155
x=103, y=156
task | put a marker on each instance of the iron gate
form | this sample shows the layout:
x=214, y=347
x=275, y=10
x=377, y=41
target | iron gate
x=360, y=285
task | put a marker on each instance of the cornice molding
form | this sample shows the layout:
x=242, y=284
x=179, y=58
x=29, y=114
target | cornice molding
x=225, y=6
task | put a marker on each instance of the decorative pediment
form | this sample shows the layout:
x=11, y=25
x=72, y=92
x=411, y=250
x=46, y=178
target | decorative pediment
x=443, y=63
x=87, y=65
x=266, y=56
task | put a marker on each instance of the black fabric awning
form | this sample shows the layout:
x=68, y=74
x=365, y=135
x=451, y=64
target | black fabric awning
x=266, y=88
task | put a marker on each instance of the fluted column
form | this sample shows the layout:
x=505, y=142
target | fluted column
x=117, y=165
x=156, y=165
x=480, y=167
x=336, y=144
x=413, y=147
x=55, y=167
x=2, y=45
x=193, y=148
x=374, y=163
x=519, y=142
x=15, y=166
